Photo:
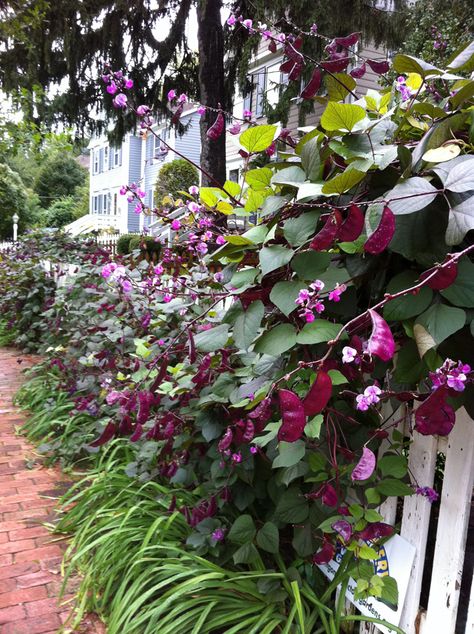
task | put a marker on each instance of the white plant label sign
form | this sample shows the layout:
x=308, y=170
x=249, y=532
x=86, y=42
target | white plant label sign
x=395, y=559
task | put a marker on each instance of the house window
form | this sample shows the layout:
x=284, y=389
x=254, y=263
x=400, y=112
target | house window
x=248, y=98
x=234, y=175
x=117, y=156
x=260, y=84
x=273, y=84
x=105, y=204
x=95, y=169
x=158, y=149
x=115, y=204
x=95, y=204
x=106, y=158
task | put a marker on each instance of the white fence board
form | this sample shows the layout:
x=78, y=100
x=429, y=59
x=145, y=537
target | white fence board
x=415, y=521
x=452, y=529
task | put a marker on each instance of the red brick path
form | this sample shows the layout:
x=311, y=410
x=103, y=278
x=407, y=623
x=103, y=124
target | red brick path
x=30, y=556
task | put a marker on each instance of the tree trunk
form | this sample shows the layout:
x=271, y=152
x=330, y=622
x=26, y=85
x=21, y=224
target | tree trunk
x=211, y=84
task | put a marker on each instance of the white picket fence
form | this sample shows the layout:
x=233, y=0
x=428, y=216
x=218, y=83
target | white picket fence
x=449, y=563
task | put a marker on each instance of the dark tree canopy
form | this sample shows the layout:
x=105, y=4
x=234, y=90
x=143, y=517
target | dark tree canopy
x=63, y=45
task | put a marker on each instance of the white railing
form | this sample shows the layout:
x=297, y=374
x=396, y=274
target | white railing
x=6, y=245
x=92, y=222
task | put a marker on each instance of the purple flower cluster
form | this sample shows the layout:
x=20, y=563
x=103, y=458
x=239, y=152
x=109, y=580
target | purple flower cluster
x=428, y=493
x=310, y=301
x=117, y=84
x=371, y=396
x=404, y=90
x=454, y=374
x=439, y=43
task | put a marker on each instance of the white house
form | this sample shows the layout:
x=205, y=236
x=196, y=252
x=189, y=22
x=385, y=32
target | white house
x=266, y=80
x=136, y=160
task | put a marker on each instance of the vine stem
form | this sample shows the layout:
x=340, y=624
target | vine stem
x=451, y=258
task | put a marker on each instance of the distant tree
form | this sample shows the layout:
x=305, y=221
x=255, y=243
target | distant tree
x=174, y=177
x=61, y=212
x=58, y=177
x=436, y=29
x=13, y=199
x=64, y=40
x=81, y=198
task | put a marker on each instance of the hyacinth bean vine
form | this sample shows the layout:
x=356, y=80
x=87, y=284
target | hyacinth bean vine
x=264, y=368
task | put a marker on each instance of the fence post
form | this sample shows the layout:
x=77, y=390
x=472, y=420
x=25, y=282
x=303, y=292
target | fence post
x=451, y=535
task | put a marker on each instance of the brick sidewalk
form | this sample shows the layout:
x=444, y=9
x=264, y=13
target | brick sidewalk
x=30, y=556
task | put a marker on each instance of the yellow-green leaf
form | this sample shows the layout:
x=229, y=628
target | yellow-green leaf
x=341, y=116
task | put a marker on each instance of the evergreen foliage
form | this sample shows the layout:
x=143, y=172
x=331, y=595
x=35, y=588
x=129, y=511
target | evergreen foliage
x=59, y=176
x=174, y=178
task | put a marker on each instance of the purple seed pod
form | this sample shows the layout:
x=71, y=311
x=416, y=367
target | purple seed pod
x=312, y=86
x=379, y=67
x=381, y=342
x=217, y=128
x=352, y=226
x=293, y=416
x=358, y=71
x=318, y=395
x=365, y=467
x=382, y=236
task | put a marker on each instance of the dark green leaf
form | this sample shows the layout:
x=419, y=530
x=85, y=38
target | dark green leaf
x=247, y=325
x=277, y=340
x=243, y=530
x=246, y=554
x=289, y=454
x=284, y=294
x=310, y=159
x=309, y=264
x=268, y=538
x=318, y=331
x=392, y=465
x=408, y=305
x=441, y=321
x=391, y=487
x=298, y=230
x=274, y=257
x=213, y=339
x=292, y=507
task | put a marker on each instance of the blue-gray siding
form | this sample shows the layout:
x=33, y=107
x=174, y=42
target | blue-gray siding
x=190, y=143
x=134, y=173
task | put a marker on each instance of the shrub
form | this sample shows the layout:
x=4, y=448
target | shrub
x=145, y=243
x=175, y=177
x=61, y=212
x=123, y=243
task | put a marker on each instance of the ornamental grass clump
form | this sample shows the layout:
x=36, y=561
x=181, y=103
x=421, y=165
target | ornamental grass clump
x=252, y=386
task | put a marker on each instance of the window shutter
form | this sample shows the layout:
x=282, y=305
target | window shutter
x=101, y=160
